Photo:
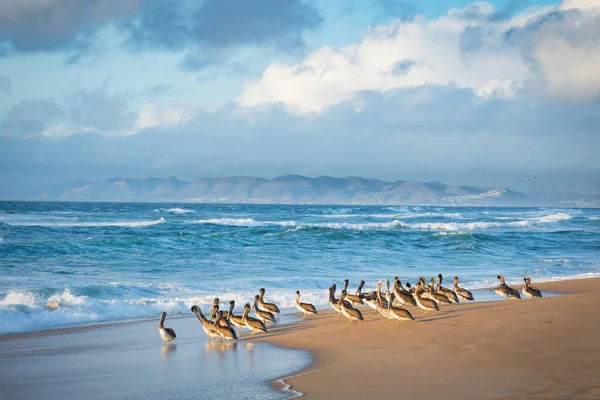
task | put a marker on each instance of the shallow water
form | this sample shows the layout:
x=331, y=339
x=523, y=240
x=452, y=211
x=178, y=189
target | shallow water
x=97, y=262
x=128, y=361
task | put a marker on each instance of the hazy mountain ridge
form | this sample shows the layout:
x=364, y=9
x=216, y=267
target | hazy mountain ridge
x=291, y=189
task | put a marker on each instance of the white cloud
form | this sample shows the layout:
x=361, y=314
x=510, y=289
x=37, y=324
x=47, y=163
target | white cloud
x=467, y=48
x=151, y=115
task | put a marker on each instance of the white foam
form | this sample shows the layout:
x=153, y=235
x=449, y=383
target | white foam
x=175, y=210
x=438, y=234
x=27, y=311
x=249, y=222
x=130, y=224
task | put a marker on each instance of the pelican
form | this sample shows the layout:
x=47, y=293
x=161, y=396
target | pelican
x=423, y=303
x=529, y=290
x=224, y=322
x=255, y=325
x=402, y=295
x=462, y=294
x=333, y=302
x=357, y=298
x=388, y=294
x=306, y=308
x=385, y=311
x=167, y=334
x=235, y=320
x=270, y=307
x=410, y=288
x=263, y=315
x=398, y=313
x=445, y=291
x=504, y=290
x=351, y=313
x=227, y=333
x=372, y=300
x=346, y=302
x=436, y=296
x=207, y=324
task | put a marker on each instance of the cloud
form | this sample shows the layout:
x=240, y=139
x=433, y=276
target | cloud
x=219, y=25
x=553, y=48
x=30, y=118
x=5, y=84
x=98, y=110
x=49, y=25
x=157, y=90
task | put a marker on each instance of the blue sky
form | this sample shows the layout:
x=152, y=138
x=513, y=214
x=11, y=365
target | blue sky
x=391, y=89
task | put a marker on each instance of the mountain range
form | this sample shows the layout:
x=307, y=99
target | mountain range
x=292, y=189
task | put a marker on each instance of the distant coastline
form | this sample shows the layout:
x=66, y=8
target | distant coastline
x=288, y=189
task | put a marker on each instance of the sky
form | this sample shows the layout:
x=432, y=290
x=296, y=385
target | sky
x=456, y=91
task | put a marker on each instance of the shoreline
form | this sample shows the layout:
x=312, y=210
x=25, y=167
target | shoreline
x=342, y=352
x=324, y=338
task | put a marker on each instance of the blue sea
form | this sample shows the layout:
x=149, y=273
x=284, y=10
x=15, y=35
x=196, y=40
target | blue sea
x=71, y=264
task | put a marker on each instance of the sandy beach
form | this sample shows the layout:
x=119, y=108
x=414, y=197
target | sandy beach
x=542, y=348
x=516, y=349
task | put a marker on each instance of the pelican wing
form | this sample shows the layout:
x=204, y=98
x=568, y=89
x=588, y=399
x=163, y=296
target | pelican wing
x=171, y=332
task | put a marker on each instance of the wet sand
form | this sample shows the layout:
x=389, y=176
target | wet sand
x=129, y=361
x=515, y=349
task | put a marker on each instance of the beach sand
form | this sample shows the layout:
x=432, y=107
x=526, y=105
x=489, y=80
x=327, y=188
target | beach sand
x=542, y=348
x=515, y=349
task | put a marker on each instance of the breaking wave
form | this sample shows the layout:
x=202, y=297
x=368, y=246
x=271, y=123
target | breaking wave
x=175, y=210
x=394, y=224
x=22, y=311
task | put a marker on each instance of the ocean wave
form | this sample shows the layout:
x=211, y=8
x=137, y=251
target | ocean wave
x=68, y=224
x=394, y=224
x=333, y=211
x=28, y=311
x=175, y=210
x=441, y=234
x=558, y=260
x=248, y=222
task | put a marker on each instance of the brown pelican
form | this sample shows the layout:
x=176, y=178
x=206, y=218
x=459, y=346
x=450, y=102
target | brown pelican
x=529, y=290
x=398, y=313
x=423, y=303
x=207, y=324
x=357, y=298
x=255, y=325
x=270, y=307
x=385, y=311
x=445, y=291
x=306, y=308
x=463, y=294
x=388, y=294
x=346, y=302
x=402, y=295
x=504, y=290
x=351, y=313
x=213, y=314
x=263, y=315
x=235, y=320
x=436, y=296
x=372, y=298
x=167, y=334
x=411, y=289
x=227, y=333
x=333, y=302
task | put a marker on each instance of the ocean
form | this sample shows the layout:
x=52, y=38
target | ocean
x=72, y=264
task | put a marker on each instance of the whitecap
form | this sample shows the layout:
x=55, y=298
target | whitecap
x=248, y=222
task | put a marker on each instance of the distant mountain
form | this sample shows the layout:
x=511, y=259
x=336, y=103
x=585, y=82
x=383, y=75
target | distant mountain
x=291, y=189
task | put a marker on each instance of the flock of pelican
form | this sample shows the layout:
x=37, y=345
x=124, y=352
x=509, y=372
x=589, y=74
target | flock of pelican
x=391, y=304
